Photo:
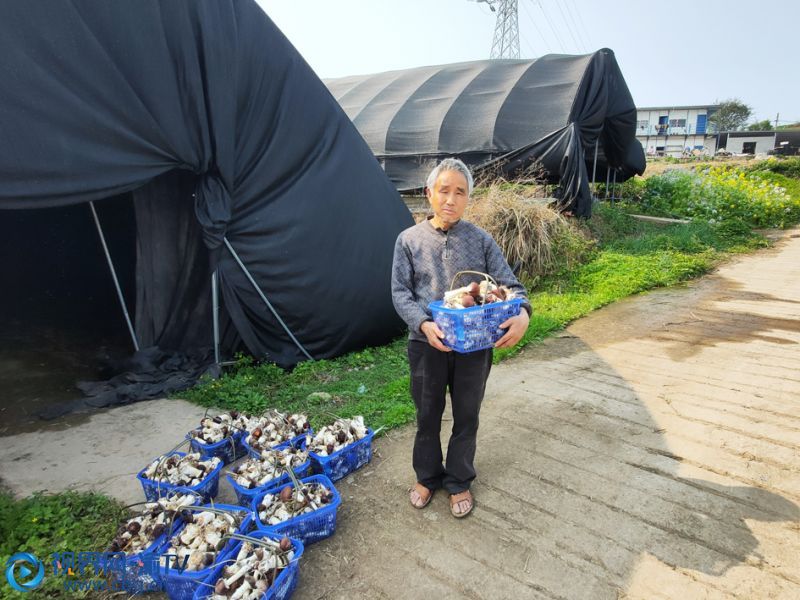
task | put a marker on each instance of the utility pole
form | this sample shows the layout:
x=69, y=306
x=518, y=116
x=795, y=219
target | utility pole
x=776, y=121
x=505, y=43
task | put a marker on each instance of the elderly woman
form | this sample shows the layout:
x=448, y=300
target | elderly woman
x=426, y=257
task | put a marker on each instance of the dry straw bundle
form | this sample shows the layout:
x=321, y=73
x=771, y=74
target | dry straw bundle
x=528, y=231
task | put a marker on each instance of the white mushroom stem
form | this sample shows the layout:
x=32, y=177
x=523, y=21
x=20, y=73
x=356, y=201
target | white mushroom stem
x=246, y=564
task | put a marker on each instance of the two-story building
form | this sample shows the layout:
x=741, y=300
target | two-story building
x=676, y=130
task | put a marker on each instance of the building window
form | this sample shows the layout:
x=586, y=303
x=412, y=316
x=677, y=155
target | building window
x=642, y=125
x=677, y=122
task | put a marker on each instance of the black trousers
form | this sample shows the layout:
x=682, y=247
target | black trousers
x=432, y=372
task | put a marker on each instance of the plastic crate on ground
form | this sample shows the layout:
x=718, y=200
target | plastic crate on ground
x=285, y=583
x=343, y=462
x=153, y=490
x=183, y=585
x=292, y=442
x=309, y=527
x=228, y=449
x=244, y=496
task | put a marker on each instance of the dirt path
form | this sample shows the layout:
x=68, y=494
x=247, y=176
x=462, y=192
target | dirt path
x=651, y=451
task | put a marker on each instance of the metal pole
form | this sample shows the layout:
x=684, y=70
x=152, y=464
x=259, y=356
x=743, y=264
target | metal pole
x=264, y=298
x=114, y=277
x=594, y=166
x=215, y=314
x=608, y=177
x=614, y=187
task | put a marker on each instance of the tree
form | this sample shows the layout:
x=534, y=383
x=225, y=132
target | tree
x=731, y=116
x=765, y=125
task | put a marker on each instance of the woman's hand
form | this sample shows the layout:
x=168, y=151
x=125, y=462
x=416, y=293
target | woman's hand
x=434, y=335
x=517, y=326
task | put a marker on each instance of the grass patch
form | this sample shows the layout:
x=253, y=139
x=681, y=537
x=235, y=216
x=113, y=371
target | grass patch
x=630, y=256
x=44, y=524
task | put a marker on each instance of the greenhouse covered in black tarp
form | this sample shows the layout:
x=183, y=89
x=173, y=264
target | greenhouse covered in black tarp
x=503, y=116
x=198, y=130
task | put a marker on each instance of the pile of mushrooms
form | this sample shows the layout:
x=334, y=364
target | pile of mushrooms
x=256, y=472
x=188, y=470
x=139, y=532
x=203, y=536
x=476, y=294
x=274, y=428
x=293, y=501
x=217, y=428
x=254, y=570
x=333, y=438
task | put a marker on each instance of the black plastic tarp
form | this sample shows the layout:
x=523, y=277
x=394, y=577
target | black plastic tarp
x=206, y=112
x=501, y=115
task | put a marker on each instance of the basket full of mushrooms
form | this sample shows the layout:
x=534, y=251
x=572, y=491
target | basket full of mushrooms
x=263, y=565
x=338, y=449
x=220, y=436
x=204, y=541
x=178, y=469
x=140, y=535
x=274, y=429
x=304, y=509
x=270, y=470
x=470, y=316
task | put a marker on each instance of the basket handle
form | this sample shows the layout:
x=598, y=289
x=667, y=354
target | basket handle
x=485, y=276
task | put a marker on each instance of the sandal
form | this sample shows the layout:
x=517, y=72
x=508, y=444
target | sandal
x=461, y=504
x=416, y=497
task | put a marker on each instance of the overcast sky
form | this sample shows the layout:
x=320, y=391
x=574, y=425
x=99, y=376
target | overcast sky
x=671, y=53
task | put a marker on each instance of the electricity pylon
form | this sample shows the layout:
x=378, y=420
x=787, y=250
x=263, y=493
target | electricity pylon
x=506, y=29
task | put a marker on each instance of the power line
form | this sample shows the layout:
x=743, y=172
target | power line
x=577, y=28
x=569, y=29
x=583, y=26
x=552, y=28
x=539, y=31
x=533, y=52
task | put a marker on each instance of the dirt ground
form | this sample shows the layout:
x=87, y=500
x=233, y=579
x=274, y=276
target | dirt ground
x=650, y=451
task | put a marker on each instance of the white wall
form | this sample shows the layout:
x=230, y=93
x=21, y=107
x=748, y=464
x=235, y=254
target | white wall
x=736, y=144
x=675, y=145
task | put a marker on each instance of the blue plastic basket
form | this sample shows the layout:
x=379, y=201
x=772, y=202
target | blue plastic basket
x=285, y=583
x=244, y=496
x=475, y=328
x=295, y=441
x=228, y=449
x=137, y=578
x=153, y=490
x=309, y=527
x=183, y=585
x=344, y=461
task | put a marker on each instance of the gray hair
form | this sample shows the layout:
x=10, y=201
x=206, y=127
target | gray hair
x=450, y=164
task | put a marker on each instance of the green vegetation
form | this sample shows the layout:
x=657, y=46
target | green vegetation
x=65, y=522
x=756, y=198
x=788, y=167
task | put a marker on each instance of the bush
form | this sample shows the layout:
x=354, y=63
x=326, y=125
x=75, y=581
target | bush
x=528, y=232
x=788, y=167
x=719, y=194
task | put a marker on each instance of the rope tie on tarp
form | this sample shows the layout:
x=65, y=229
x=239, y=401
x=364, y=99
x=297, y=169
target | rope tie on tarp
x=264, y=298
